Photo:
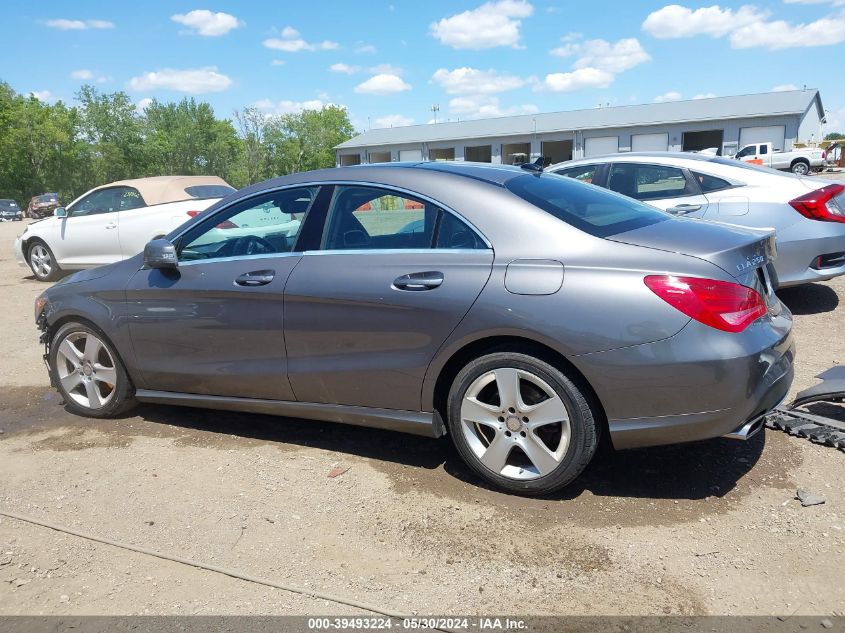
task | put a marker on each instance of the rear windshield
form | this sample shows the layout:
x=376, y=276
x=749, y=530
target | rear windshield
x=48, y=197
x=209, y=191
x=586, y=207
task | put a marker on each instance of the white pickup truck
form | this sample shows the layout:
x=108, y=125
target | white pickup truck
x=799, y=161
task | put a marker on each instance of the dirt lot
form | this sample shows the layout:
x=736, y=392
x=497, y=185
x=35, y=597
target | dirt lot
x=709, y=528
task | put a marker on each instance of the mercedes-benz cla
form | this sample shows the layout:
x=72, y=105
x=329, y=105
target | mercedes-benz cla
x=522, y=313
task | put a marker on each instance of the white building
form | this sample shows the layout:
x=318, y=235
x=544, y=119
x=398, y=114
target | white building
x=725, y=123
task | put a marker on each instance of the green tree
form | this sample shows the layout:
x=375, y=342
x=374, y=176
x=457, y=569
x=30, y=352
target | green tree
x=834, y=136
x=186, y=138
x=306, y=140
x=113, y=131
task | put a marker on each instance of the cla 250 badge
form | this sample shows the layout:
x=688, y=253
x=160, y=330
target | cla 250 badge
x=750, y=263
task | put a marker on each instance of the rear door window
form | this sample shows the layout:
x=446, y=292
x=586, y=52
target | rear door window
x=648, y=182
x=591, y=209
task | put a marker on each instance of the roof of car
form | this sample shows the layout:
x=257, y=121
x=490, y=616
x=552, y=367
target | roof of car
x=628, y=155
x=161, y=189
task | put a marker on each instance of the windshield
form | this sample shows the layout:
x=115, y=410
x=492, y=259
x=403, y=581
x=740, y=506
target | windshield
x=596, y=211
x=48, y=197
x=8, y=203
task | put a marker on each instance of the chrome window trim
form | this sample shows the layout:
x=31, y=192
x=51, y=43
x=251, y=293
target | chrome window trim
x=361, y=183
x=396, y=251
x=234, y=258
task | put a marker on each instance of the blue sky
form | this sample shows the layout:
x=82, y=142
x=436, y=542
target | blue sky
x=389, y=61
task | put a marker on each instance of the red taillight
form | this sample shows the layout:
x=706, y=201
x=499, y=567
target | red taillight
x=722, y=305
x=821, y=204
x=225, y=224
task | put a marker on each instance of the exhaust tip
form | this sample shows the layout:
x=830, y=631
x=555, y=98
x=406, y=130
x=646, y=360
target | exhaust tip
x=747, y=430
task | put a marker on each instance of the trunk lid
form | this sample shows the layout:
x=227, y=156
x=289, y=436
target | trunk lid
x=744, y=253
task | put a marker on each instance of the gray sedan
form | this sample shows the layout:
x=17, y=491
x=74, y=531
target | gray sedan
x=808, y=213
x=524, y=314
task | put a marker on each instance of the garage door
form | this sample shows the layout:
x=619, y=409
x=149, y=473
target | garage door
x=410, y=154
x=599, y=145
x=650, y=142
x=773, y=134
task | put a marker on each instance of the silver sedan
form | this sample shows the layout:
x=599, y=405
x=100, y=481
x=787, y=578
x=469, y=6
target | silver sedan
x=808, y=213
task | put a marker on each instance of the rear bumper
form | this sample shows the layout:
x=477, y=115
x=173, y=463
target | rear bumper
x=697, y=385
x=798, y=247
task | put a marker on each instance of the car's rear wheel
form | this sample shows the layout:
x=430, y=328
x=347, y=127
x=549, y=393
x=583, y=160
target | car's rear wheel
x=42, y=262
x=521, y=423
x=88, y=372
x=801, y=167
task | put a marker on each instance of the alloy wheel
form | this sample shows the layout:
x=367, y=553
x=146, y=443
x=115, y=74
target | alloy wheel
x=86, y=370
x=41, y=260
x=515, y=423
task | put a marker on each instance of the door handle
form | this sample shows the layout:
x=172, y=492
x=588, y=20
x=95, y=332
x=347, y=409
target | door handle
x=683, y=209
x=419, y=281
x=255, y=278
x=111, y=225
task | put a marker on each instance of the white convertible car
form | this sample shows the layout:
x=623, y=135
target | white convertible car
x=114, y=222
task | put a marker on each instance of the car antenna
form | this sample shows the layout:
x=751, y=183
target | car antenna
x=537, y=166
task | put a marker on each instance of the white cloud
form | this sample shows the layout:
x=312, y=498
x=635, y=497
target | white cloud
x=142, y=105
x=784, y=87
x=379, y=69
x=190, y=80
x=290, y=107
x=484, y=106
x=781, y=34
x=382, y=84
x=291, y=42
x=42, y=95
x=365, y=48
x=674, y=21
x=204, y=22
x=616, y=58
x=393, y=120
x=473, y=81
x=492, y=24
x=79, y=25
x=83, y=74
x=344, y=68
x=706, y=95
x=578, y=79
x=672, y=95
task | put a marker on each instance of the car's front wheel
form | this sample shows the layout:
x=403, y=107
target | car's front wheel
x=88, y=372
x=521, y=423
x=42, y=262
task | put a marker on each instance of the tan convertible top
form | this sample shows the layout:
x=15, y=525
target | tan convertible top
x=161, y=189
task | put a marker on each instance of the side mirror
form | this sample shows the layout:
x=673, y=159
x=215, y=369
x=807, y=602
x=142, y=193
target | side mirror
x=60, y=212
x=160, y=253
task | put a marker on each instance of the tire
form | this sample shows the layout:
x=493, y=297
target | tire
x=800, y=168
x=487, y=429
x=42, y=262
x=88, y=373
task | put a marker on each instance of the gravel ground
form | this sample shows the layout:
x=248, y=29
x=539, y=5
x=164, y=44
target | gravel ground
x=706, y=528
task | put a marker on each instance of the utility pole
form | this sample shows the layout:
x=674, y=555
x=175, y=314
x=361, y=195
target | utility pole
x=435, y=108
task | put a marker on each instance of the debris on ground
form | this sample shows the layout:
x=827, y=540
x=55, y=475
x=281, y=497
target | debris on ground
x=808, y=498
x=337, y=471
